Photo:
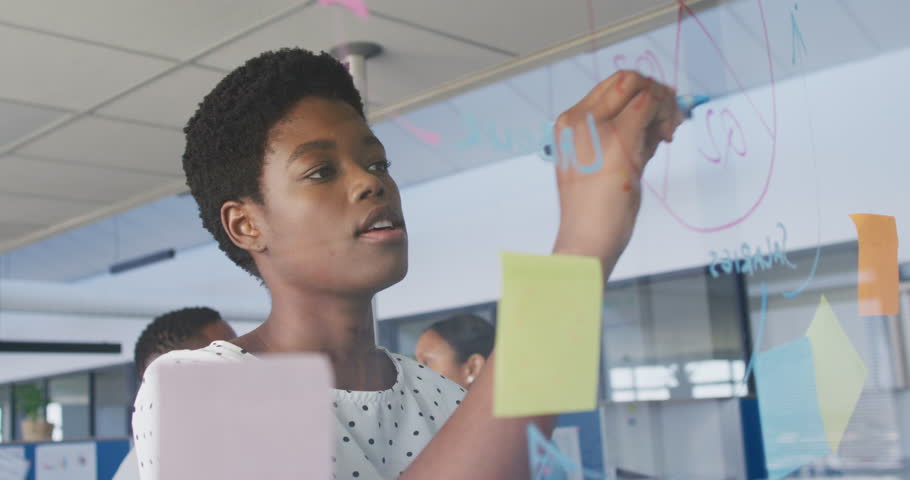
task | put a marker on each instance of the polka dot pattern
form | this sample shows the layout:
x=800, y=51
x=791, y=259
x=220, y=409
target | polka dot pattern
x=372, y=442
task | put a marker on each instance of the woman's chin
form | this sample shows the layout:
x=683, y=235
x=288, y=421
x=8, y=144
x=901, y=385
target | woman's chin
x=393, y=275
x=380, y=276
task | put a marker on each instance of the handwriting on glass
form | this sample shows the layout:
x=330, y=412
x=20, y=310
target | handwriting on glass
x=506, y=140
x=735, y=141
x=426, y=136
x=356, y=6
x=747, y=260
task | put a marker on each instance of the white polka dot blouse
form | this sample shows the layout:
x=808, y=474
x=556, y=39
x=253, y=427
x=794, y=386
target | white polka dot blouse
x=378, y=434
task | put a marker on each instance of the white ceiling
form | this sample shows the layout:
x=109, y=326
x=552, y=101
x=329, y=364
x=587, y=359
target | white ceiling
x=94, y=93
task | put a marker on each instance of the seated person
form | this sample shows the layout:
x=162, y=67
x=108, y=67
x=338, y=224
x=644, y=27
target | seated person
x=296, y=189
x=457, y=347
x=185, y=329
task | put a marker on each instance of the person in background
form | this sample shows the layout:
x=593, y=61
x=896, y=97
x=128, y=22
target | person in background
x=457, y=347
x=184, y=329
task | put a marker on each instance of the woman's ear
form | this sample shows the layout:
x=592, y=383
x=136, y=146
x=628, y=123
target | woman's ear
x=473, y=366
x=238, y=222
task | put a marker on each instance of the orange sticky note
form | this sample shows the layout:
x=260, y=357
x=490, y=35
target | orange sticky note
x=877, y=290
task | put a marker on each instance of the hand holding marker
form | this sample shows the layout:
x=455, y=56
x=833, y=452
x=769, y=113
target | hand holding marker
x=686, y=103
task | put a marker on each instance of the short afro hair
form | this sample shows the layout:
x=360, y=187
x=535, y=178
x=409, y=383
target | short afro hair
x=171, y=331
x=226, y=138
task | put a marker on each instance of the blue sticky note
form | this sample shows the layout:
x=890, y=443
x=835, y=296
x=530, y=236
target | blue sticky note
x=791, y=421
x=545, y=459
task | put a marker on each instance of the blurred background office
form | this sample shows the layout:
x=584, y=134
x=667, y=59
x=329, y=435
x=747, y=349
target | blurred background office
x=98, y=235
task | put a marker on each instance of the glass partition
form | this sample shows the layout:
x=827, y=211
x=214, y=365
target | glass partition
x=113, y=399
x=69, y=408
x=6, y=414
x=19, y=413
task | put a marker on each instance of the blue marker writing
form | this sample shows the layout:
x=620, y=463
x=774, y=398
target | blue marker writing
x=686, y=104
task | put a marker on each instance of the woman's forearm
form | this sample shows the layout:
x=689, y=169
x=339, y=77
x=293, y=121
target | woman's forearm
x=474, y=444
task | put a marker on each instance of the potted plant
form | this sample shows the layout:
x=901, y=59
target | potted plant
x=31, y=402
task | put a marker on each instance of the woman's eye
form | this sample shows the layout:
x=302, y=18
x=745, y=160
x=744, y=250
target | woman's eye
x=321, y=174
x=382, y=166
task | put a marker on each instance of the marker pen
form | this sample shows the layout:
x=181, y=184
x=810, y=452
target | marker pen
x=686, y=104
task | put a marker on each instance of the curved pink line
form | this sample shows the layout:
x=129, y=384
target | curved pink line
x=731, y=223
x=773, y=132
x=616, y=59
x=720, y=53
x=709, y=158
x=426, y=136
x=728, y=114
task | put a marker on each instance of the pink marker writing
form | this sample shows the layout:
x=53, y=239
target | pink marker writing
x=356, y=6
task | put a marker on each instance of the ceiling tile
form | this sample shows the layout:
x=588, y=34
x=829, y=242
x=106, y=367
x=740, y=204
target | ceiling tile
x=413, y=60
x=172, y=222
x=17, y=121
x=99, y=141
x=74, y=181
x=27, y=209
x=169, y=100
x=172, y=28
x=521, y=27
x=885, y=21
x=12, y=230
x=46, y=70
x=65, y=256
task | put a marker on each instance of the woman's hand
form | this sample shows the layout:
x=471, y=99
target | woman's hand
x=599, y=171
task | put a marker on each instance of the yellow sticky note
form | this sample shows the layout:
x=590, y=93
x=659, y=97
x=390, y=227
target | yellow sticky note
x=878, y=275
x=548, y=335
x=840, y=373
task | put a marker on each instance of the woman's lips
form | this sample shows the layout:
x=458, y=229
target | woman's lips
x=384, y=235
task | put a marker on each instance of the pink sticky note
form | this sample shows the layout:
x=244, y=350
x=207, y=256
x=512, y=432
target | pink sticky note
x=234, y=420
x=356, y=6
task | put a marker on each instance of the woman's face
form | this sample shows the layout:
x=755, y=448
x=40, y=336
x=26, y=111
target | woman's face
x=331, y=217
x=433, y=351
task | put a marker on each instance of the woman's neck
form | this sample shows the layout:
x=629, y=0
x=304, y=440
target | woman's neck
x=339, y=327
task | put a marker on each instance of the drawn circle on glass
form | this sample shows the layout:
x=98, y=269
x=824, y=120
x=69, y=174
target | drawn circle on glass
x=725, y=141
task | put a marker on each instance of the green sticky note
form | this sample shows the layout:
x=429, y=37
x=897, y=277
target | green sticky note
x=548, y=335
x=840, y=373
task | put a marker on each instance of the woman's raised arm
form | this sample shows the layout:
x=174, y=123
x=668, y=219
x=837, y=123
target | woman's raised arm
x=630, y=115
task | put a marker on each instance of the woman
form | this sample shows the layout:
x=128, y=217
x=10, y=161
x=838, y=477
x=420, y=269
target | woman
x=456, y=347
x=295, y=188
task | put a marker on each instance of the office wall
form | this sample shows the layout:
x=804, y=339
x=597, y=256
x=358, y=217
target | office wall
x=690, y=439
x=69, y=328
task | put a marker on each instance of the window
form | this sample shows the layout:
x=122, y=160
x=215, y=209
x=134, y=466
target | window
x=68, y=408
x=674, y=337
x=19, y=415
x=5, y=414
x=113, y=399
